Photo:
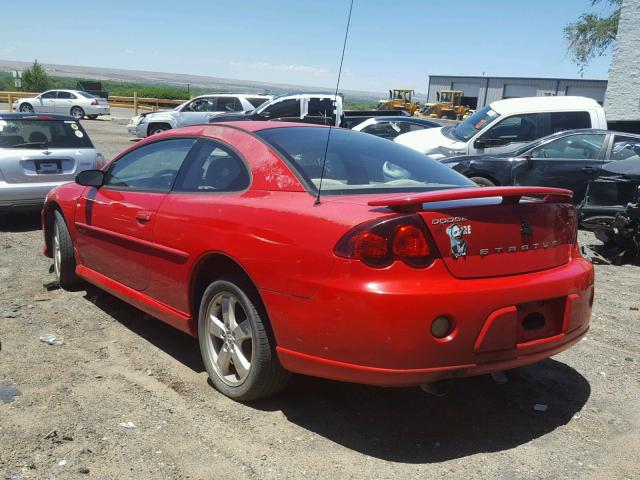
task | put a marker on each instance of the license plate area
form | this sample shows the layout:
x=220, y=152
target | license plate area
x=541, y=319
x=48, y=166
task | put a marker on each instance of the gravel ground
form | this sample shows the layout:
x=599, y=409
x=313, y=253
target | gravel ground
x=118, y=365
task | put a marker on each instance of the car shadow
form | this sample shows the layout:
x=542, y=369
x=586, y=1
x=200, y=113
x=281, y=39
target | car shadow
x=477, y=414
x=406, y=425
x=180, y=346
x=25, y=221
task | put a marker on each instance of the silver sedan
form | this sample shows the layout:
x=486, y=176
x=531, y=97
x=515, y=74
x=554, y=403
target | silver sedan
x=76, y=103
x=38, y=153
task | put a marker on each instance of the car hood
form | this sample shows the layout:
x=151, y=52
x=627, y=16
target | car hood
x=432, y=142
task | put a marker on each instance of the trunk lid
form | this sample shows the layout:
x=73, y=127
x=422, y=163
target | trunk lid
x=21, y=165
x=488, y=232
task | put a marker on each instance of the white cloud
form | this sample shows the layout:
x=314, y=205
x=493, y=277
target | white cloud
x=282, y=67
x=8, y=49
x=128, y=51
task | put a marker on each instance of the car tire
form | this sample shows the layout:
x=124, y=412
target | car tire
x=77, y=112
x=156, y=128
x=26, y=108
x=92, y=117
x=64, y=260
x=237, y=345
x=482, y=181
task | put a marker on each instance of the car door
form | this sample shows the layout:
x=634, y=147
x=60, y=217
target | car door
x=198, y=111
x=115, y=222
x=46, y=103
x=570, y=161
x=63, y=102
x=508, y=134
x=204, y=195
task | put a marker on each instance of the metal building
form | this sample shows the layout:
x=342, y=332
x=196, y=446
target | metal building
x=623, y=95
x=481, y=91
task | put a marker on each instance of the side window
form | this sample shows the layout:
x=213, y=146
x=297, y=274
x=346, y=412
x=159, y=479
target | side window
x=561, y=121
x=384, y=130
x=213, y=168
x=201, y=105
x=576, y=147
x=256, y=101
x=517, y=128
x=283, y=109
x=229, y=104
x=320, y=107
x=65, y=95
x=625, y=148
x=51, y=94
x=152, y=167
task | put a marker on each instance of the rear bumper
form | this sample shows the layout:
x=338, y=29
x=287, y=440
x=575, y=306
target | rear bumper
x=93, y=110
x=364, y=330
x=25, y=195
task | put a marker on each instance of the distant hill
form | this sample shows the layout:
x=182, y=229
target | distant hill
x=163, y=78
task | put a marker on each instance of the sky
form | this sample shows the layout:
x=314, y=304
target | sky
x=391, y=43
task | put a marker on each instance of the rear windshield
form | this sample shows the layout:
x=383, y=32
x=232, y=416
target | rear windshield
x=358, y=163
x=28, y=133
x=86, y=95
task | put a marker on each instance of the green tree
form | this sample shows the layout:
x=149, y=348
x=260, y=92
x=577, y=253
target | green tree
x=592, y=35
x=35, y=78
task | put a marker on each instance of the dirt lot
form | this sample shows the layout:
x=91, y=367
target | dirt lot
x=118, y=365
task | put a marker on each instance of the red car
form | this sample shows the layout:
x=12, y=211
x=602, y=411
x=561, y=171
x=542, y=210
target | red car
x=404, y=273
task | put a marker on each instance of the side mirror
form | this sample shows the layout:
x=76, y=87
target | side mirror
x=266, y=115
x=90, y=178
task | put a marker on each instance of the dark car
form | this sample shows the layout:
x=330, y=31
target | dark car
x=568, y=159
x=391, y=127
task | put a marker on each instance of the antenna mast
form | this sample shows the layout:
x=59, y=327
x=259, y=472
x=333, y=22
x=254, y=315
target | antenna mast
x=326, y=147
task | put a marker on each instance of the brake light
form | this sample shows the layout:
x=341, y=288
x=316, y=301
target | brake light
x=94, y=102
x=379, y=243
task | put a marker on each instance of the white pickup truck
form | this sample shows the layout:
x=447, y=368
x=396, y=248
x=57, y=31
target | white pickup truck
x=506, y=125
x=194, y=111
x=319, y=108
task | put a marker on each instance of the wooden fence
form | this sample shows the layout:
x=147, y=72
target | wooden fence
x=135, y=102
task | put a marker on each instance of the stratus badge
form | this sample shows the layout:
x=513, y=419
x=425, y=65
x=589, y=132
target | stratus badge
x=458, y=244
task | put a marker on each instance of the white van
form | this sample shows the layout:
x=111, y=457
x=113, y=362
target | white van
x=505, y=125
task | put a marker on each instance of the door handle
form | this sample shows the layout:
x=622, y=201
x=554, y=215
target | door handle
x=589, y=169
x=143, y=216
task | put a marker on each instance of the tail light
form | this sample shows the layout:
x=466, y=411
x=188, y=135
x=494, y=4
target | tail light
x=379, y=243
x=95, y=102
x=100, y=161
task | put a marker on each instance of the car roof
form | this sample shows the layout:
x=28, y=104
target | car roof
x=32, y=116
x=543, y=104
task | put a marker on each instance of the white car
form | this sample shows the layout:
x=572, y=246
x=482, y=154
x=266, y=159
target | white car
x=197, y=110
x=76, y=103
x=506, y=125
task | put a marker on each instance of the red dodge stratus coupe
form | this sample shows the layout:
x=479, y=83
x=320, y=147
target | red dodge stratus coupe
x=404, y=273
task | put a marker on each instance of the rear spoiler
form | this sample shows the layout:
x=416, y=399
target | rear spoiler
x=413, y=201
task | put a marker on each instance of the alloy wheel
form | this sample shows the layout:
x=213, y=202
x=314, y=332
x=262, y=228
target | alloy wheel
x=57, y=254
x=26, y=108
x=230, y=338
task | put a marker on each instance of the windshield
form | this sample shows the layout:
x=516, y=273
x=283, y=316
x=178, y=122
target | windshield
x=473, y=124
x=28, y=133
x=358, y=163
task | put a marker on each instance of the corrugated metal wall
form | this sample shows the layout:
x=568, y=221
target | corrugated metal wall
x=490, y=89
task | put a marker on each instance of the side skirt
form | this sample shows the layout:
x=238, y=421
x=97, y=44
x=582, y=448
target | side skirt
x=176, y=319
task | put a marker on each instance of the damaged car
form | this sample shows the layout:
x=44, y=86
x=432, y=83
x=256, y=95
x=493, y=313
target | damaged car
x=611, y=208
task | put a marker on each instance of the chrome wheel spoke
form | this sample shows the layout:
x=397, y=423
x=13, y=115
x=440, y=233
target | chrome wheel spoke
x=216, y=327
x=242, y=332
x=224, y=360
x=229, y=312
x=240, y=362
